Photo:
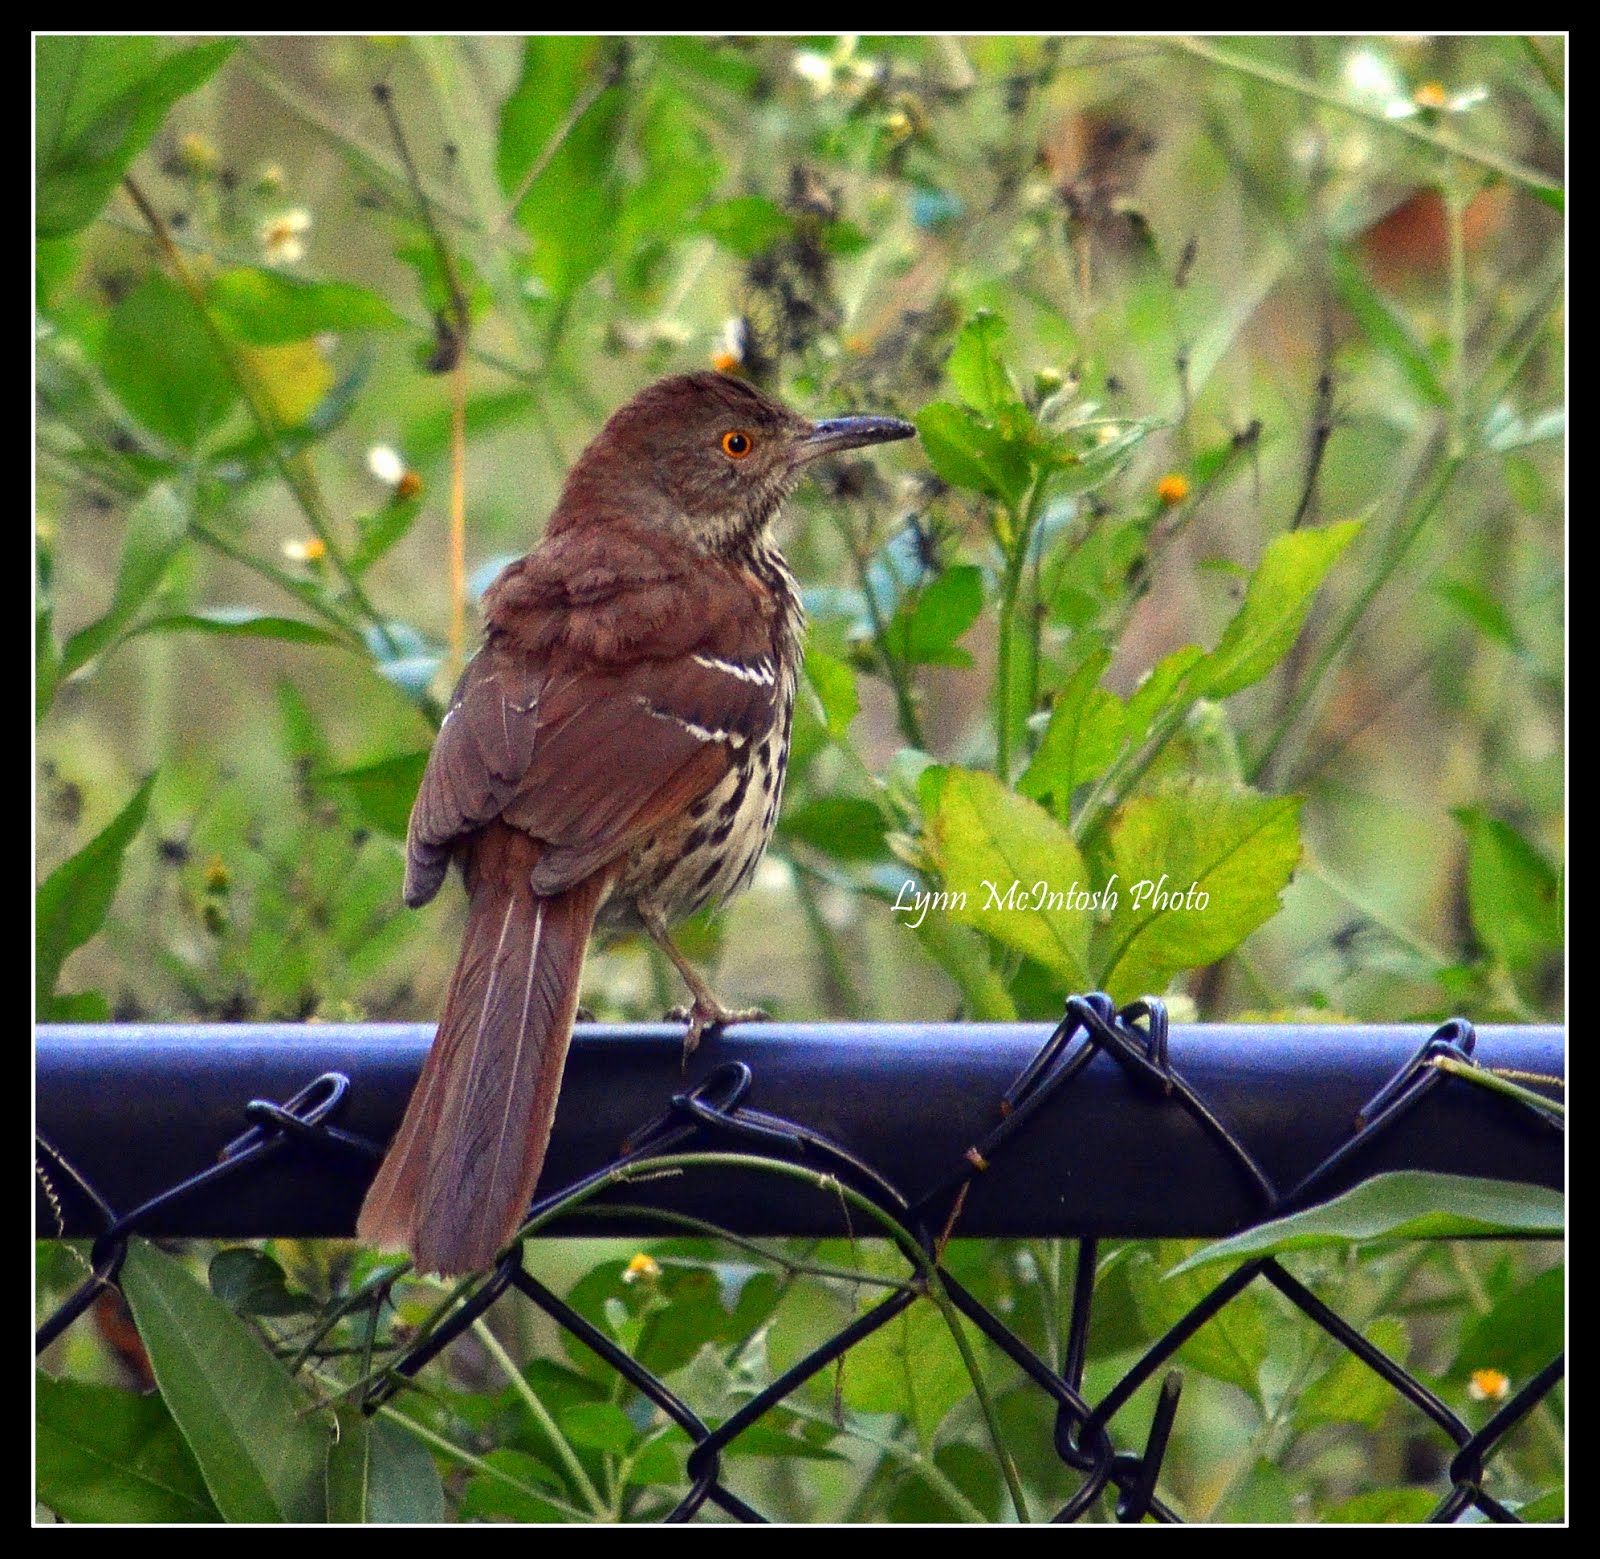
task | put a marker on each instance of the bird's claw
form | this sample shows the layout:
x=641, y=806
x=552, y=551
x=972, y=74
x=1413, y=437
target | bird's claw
x=701, y=1017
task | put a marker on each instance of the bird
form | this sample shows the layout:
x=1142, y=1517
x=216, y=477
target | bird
x=612, y=758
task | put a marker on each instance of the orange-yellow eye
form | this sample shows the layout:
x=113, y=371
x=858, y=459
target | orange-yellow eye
x=737, y=444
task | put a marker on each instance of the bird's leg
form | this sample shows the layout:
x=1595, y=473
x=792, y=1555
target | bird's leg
x=706, y=1011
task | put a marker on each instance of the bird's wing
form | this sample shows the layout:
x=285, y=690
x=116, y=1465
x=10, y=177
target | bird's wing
x=597, y=711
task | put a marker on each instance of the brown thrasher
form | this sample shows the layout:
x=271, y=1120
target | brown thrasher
x=612, y=756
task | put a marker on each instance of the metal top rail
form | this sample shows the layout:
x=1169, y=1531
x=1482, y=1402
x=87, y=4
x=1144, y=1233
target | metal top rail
x=129, y=1110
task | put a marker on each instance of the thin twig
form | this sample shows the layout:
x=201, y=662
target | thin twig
x=1529, y=178
x=542, y=1416
x=451, y=353
x=581, y=105
x=303, y=489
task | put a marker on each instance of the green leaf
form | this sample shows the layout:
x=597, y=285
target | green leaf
x=1199, y=865
x=1504, y=431
x=156, y=529
x=380, y=1474
x=849, y=828
x=80, y=1007
x=765, y=1438
x=55, y=264
x=302, y=738
x=1276, y=603
x=46, y=659
x=239, y=622
x=658, y=1461
x=1525, y=483
x=834, y=683
x=1550, y=1506
x=1085, y=733
x=746, y=224
x=236, y=1405
x=1012, y=871
x=1401, y=1507
x=1350, y=1392
x=977, y=373
x=718, y=61
x=1388, y=330
x=1082, y=470
x=924, y=633
x=681, y=169
x=971, y=1470
x=267, y=308
x=99, y=102
x=966, y=453
x=909, y=1366
x=1481, y=609
x=512, y=1489
x=378, y=532
x=599, y=1426
x=1264, y=1496
x=1520, y=1333
x=964, y=956
x=110, y=1456
x=1406, y=1205
x=380, y=794
x=1162, y=687
x=1512, y=891
x=250, y=1282
x=163, y=366
x=1232, y=1345
x=71, y=906
x=692, y=1316
x=569, y=209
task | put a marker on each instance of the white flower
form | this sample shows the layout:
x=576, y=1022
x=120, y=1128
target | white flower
x=1431, y=97
x=840, y=70
x=814, y=69
x=385, y=464
x=1488, y=1385
x=1370, y=78
x=282, y=236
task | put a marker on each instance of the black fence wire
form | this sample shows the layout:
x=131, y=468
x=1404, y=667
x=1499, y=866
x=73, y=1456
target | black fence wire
x=1424, y=1115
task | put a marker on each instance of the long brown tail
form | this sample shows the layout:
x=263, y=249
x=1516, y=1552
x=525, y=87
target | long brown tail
x=462, y=1168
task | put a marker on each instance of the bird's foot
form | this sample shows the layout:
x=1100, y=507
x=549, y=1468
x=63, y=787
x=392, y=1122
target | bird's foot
x=711, y=1015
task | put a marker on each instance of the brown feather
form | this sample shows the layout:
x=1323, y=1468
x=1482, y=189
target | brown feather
x=466, y=1160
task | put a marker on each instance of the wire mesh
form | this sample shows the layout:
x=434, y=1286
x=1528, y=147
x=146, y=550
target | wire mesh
x=713, y=1118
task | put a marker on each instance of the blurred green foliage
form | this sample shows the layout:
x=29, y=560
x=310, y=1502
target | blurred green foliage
x=1230, y=555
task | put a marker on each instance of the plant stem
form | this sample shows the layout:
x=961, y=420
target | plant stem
x=1487, y=1077
x=1456, y=198
x=484, y=1468
x=1333, y=650
x=980, y=1390
x=369, y=163
x=289, y=466
x=913, y=1461
x=839, y=988
x=1023, y=523
x=905, y=702
x=542, y=1416
x=269, y=571
x=1545, y=66
x=1529, y=178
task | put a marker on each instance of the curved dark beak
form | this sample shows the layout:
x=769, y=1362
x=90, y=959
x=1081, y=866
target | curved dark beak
x=836, y=433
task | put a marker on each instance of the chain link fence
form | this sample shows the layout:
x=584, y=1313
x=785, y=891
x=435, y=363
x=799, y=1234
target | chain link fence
x=712, y=1122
